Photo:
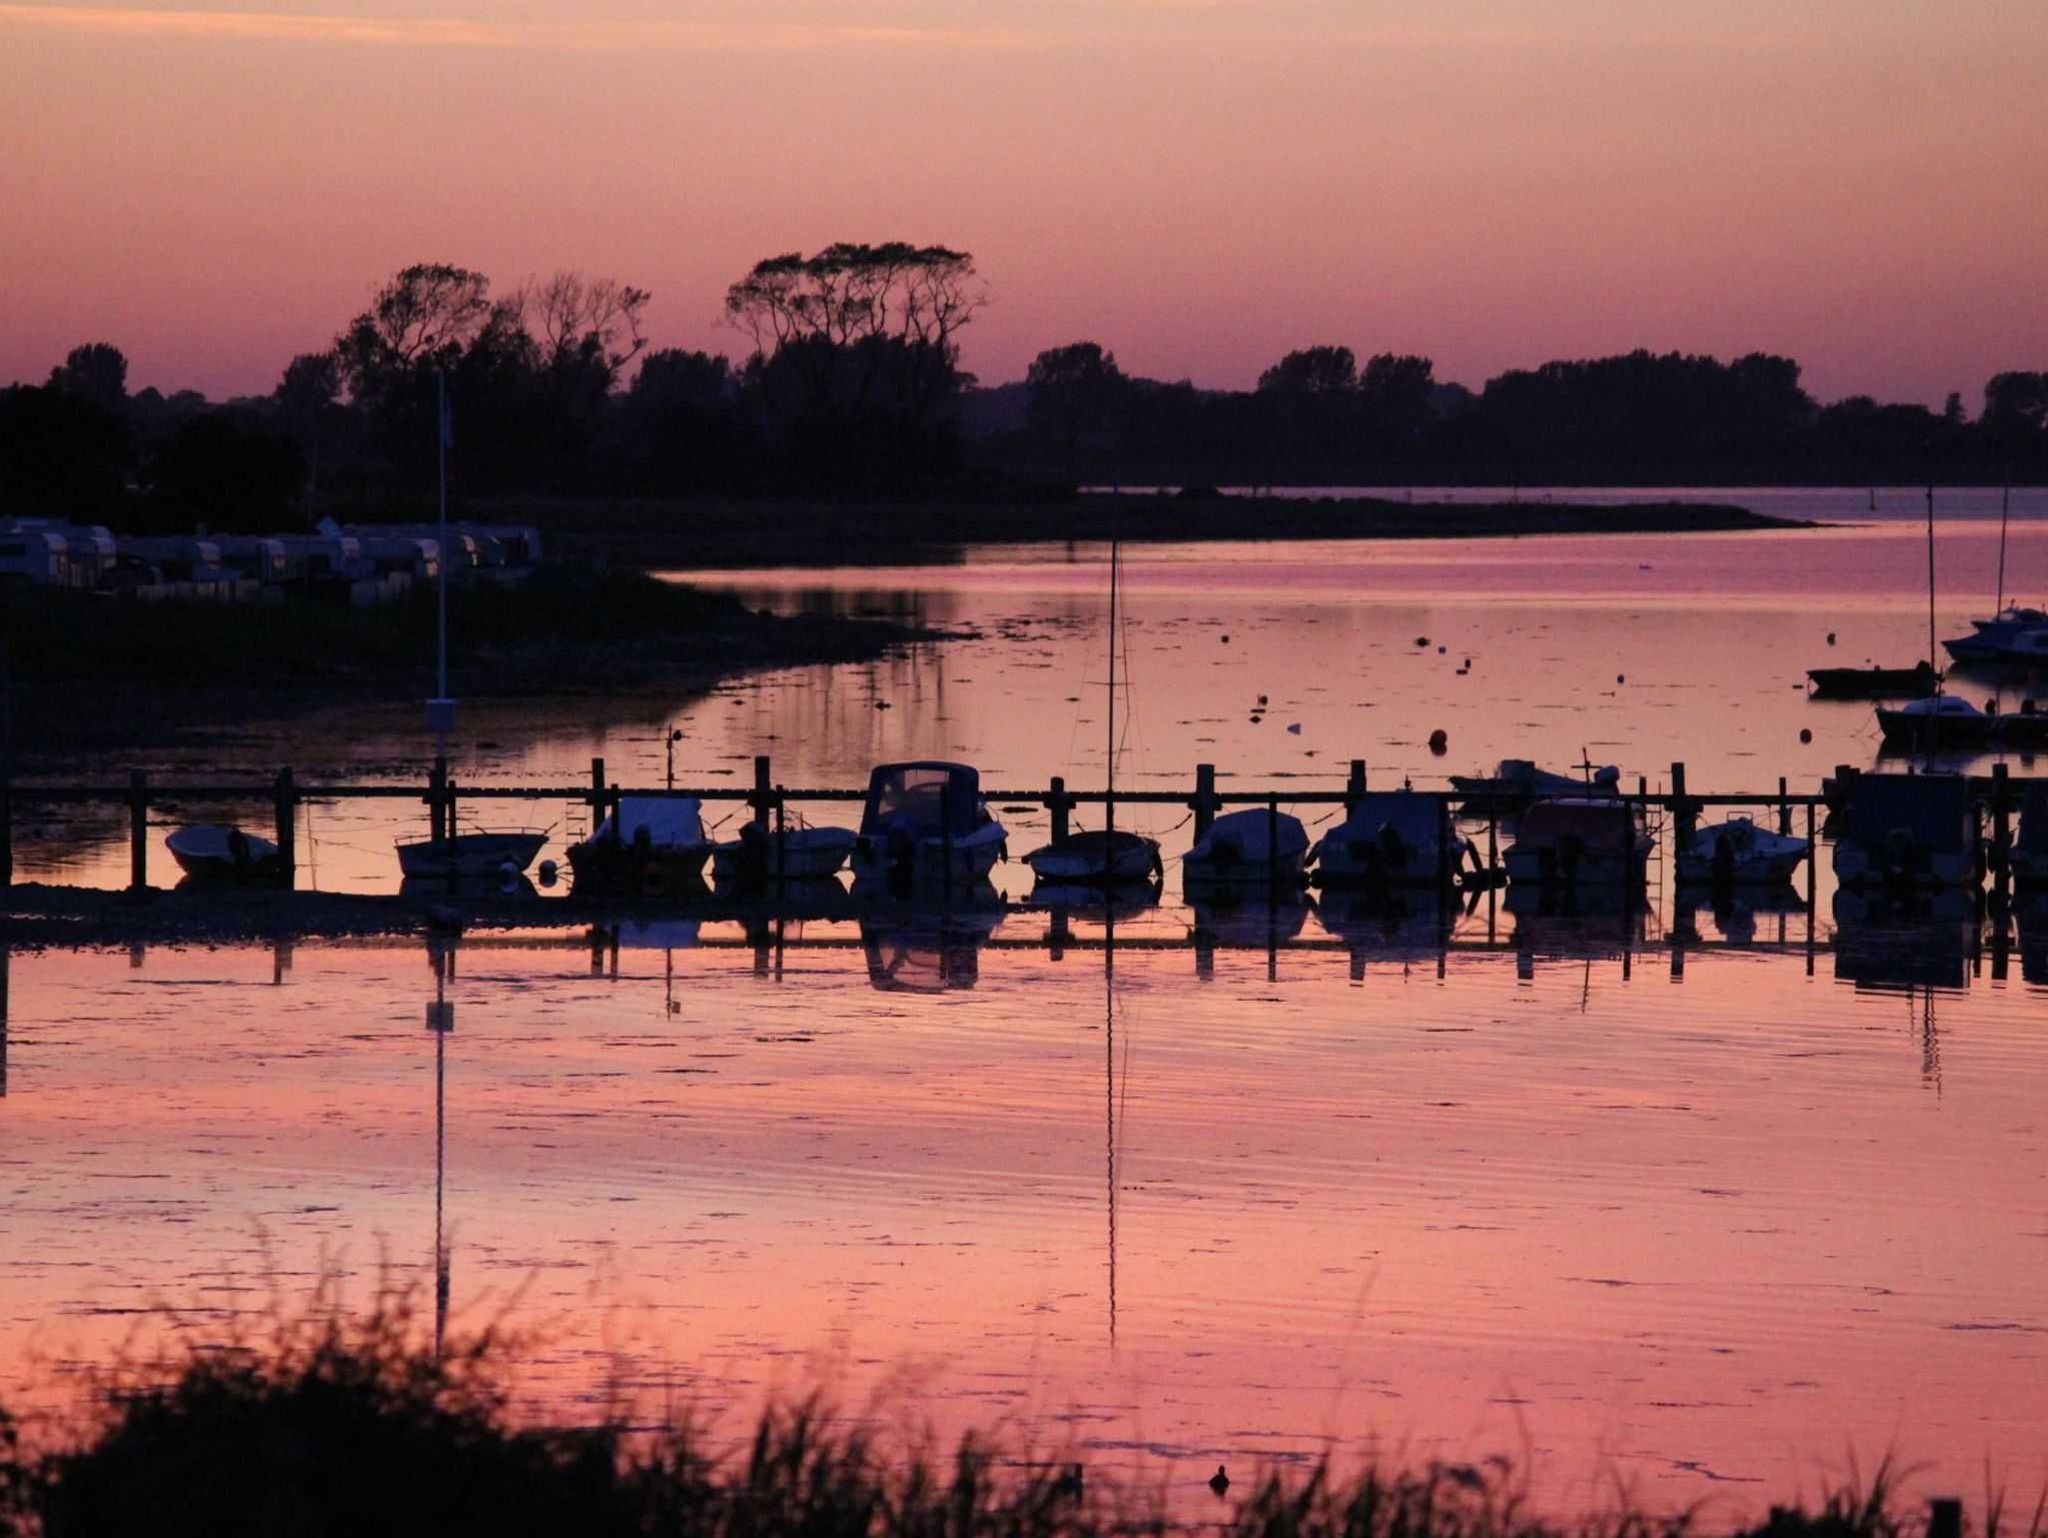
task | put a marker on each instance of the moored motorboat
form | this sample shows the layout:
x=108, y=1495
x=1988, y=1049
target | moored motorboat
x=1390, y=838
x=1947, y=721
x=1876, y=683
x=470, y=856
x=925, y=827
x=1096, y=857
x=790, y=854
x=1248, y=848
x=2015, y=634
x=1904, y=830
x=1580, y=841
x=222, y=852
x=647, y=846
x=1739, y=853
x=1516, y=782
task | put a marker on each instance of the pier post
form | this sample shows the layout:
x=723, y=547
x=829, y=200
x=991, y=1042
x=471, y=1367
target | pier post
x=1354, y=788
x=764, y=792
x=2001, y=823
x=596, y=796
x=1059, y=805
x=437, y=826
x=1944, y=1517
x=448, y=822
x=1204, y=802
x=1684, y=818
x=287, y=830
x=781, y=868
x=1784, y=810
x=6, y=828
x=138, y=831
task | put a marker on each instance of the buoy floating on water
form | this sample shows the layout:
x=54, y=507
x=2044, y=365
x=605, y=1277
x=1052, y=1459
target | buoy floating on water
x=1439, y=741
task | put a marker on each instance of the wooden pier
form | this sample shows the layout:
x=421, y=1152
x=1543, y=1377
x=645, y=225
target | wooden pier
x=767, y=800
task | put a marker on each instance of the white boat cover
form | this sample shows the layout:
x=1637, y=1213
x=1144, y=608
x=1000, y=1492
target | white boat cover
x=672, y=822
x=1245, y=833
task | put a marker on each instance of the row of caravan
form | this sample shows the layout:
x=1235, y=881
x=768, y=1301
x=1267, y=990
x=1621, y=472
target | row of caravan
x=361, y=564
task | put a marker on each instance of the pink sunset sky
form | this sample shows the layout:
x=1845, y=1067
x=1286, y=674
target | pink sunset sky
x=1198, y=184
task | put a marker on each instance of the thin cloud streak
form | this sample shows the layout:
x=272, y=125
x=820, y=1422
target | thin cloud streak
x=596, y=36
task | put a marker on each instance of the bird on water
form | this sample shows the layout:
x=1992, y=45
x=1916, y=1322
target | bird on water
x=1219, y=1481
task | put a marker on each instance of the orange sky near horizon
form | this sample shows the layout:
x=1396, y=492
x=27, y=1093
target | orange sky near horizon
x=1198, y=184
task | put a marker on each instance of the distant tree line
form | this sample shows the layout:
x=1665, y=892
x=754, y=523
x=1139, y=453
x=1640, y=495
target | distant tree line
x=852, y=387
x=1317, y=417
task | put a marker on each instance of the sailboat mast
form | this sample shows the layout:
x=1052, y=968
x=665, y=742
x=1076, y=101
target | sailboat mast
x=1109, y=791
x=2004, y=517
x=1930, y=578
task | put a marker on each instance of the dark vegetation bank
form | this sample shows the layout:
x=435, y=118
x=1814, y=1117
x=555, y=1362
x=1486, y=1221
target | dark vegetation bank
x=328, y=1425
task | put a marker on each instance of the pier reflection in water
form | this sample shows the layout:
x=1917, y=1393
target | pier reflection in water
x=1437, y=1178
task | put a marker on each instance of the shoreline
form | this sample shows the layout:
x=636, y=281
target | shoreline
x=709, y=536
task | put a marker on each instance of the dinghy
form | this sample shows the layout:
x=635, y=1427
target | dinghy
x=1097, y=857
x=1738, y=852
x=222, y=852
x=794, y=854
x=470, y=856
x=1517, y=782
x=1876, y=683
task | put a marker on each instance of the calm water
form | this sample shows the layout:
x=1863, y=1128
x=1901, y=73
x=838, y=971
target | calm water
x=1707, y=1220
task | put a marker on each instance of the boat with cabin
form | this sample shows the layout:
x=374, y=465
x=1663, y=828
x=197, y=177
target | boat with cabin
x=1947, y=721
x=1516, y=782
x=925, y=826
x=1580, y=841
x=1909, y=830
x=1390, y=838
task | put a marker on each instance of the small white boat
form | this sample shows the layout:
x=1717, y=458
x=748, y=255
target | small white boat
x=925, y=827
x=222, y=852
x=647, y=846
x=794, y=854
x=1096, y=857
x=1391, y=838
x=1738, y=852
x=1247, y=848
x=1909, y=830
x=1580, y=841
x=473, y=856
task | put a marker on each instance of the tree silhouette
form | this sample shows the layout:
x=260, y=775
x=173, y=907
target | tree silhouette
x=96, y=372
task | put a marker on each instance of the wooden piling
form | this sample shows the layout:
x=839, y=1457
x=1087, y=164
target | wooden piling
x=6, y=830
x=1059, y=804
x=763, y=798
x=1784, y=810
x=138, y=830
x=1684, y=816
x=1272, y=853
x=437, y=774
x=1945, y=1517
x=287, y=813
x=1354, y=788
x=597, y=793
x=2001, y=824
x=1204, y=801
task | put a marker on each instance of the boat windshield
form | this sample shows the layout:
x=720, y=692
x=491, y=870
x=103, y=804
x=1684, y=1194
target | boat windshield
x=924, y=800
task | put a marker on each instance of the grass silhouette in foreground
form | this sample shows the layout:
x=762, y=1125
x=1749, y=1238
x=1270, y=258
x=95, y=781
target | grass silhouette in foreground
x=339, y=1424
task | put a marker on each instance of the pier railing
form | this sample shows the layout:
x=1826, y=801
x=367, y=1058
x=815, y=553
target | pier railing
x=767, y=800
